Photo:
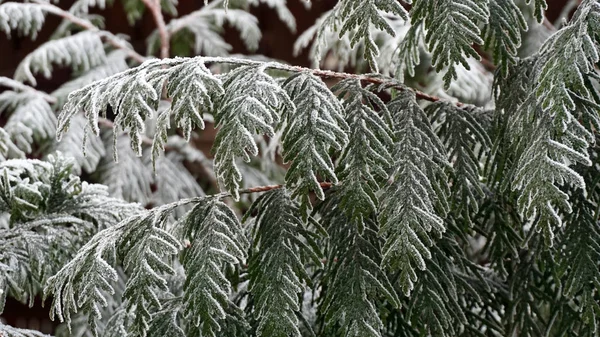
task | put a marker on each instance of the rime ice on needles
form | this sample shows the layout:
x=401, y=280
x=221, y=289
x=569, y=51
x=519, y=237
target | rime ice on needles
x=502, y=34
x=281, y=247
x=81, y=51
x=115, y=63
x=361, y=15
x=355, y=18
x=541, y=169
x=52, y=210
x=462, y=134
x=194, y=91
x=448, y=295
x=252, y=105
x=451, y=28
x=31, y=120
x=563, y=104
x=354, y=279
x=130, y=178
x=132, y=95
x=349, y=215
x=366, y=160
x=172, y=182
x=88, y=158
x=567, y=65
x=206, y=25
x=309, y=133
x=539, y=7
x=8, y=149
x=581, y=249
x=216, y=240
x=25, y=18
x=85, y=282
x=413, y=204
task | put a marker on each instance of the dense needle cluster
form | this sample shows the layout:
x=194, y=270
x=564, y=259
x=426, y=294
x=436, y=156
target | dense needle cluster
x=450, y=186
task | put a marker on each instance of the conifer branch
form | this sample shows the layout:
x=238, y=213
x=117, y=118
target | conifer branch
x=111, y=39
x=9, y=82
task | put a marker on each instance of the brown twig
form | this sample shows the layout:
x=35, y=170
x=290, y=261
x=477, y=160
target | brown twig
x=154, y=7
x=111, y=39
x=266, y=188
x=387, y=82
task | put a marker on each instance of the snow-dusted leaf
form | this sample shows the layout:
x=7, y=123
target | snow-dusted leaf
x=206, y=27
x=413, y=204
x=452, y=27
x=86, y=158
x=31, y=119
x=281, y=246
x=316, y=126
x=502, y=34
x=216, y=241
x=81, y=51
x=115, y=62
x=26, y=18
x=366, y=160
x=252, y=104
x=129, y=178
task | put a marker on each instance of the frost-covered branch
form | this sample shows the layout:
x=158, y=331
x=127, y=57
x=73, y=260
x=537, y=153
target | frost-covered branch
x=19, y=86
x=111, y=39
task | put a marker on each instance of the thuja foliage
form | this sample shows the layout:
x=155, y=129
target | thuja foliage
x=449, y=185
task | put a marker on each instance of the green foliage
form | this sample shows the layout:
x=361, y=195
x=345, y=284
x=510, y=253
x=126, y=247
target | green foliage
x=84, y=282
x=282, y=247
x=359, y=16
x=450, y=291
x=462, y=134
x=502, y=33
x=370, y=205
x=52, y=214
x=311, y=130
x=413, y=203
x=366, y=160
x=451, y=29
x=354, y=280
x=217, y=241
x=251, y=105
x=193, y=89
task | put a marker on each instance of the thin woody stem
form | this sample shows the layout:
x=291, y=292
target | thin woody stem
x=267, y=188
x=154, y=7
x=378, y=80
x=221, y=195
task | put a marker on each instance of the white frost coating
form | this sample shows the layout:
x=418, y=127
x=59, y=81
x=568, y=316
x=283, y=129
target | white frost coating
x=251, y=105
x=411, y=209
x=31, y=118
x=26, y=18
x=318, y=112
x=81, y=51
